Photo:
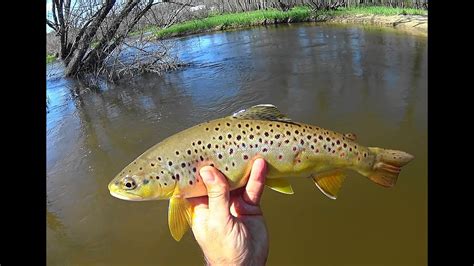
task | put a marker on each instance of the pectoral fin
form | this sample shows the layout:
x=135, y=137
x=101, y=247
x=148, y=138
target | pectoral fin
x=280, y=185
x=179, y=216
x=330, y=183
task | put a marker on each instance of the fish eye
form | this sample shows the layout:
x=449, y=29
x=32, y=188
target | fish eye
x=129, y=183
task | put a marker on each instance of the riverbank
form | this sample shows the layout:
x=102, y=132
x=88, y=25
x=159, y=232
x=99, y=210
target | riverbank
x=410, y=20
x=413, y=21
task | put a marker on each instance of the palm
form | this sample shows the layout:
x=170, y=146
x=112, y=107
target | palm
x=236, y=230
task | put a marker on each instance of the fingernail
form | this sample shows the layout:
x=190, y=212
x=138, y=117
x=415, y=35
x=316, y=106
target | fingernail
x=207, y=176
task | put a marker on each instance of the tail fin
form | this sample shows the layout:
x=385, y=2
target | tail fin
x=387, y=166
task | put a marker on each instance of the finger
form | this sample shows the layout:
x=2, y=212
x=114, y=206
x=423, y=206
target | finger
x=254, y=189
x=217, y=192
x=198, y=202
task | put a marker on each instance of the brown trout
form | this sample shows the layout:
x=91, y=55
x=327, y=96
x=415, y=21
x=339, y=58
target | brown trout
x=170, y=169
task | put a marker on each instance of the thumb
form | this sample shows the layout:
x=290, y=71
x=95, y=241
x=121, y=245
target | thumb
x=218, y=193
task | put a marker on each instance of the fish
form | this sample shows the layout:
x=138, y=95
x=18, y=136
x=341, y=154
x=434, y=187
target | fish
x=170, y=169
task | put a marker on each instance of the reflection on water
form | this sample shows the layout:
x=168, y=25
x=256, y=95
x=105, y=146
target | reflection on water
x=350, y=79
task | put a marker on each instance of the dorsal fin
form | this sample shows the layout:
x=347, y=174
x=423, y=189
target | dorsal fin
x=262, y=112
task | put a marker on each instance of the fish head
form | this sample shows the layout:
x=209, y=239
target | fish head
x=141, y=182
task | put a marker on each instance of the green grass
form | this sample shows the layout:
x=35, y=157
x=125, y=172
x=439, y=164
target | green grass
x=378, y=10
x=50, y=58
x=231, y=20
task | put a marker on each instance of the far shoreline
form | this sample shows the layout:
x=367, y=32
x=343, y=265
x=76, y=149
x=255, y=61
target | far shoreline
x=410, y=21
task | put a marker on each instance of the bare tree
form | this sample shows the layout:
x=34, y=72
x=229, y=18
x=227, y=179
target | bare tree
x=90, y=30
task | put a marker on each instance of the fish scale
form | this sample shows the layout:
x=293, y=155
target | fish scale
x=170, y=169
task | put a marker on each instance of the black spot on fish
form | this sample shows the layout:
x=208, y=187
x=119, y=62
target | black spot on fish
x=345, y=145
x=245, y=157
x=194, y=169
x=177, y=152
x=302, y=142
x=199, y=142
x=145, y=181
x=207, y=129
x=209, y=145
x=258, y=127
x=220, y=137
x=309, y=137
x=297, y=132
x=278, y=125
x=189, y=152
x=229, y=136
x=320, y=137
x=183, y=165
x=251, y=136
x=246, y=125
x=266, y=134
x=228, y=124
x=157, y=177
x=159, y=158
x=239, y=125
x=190, y=182
x=152, y=164
x=220, y=156
x=231, y=151
x=217, y=129
x=277, y=136
x=200, y=157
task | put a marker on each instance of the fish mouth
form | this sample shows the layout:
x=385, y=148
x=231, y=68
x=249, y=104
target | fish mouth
x=129, y=196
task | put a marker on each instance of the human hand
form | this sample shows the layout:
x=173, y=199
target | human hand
x=229, y=227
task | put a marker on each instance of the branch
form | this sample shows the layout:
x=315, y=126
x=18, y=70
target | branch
x=51, y=25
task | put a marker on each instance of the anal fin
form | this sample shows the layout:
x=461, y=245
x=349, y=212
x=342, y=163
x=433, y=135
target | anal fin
x=279, y=185
x=330, y=183
x=180, y=214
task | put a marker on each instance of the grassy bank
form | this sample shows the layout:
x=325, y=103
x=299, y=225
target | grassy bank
x=263, y=17
x=234, y=20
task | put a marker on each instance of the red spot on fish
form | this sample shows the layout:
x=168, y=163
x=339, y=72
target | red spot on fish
x=280, y=157
x=294, y=148
x=245, y=157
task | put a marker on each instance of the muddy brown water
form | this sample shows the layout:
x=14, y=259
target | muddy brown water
x=365, y=80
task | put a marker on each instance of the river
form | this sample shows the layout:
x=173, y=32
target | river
x=365, y=80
